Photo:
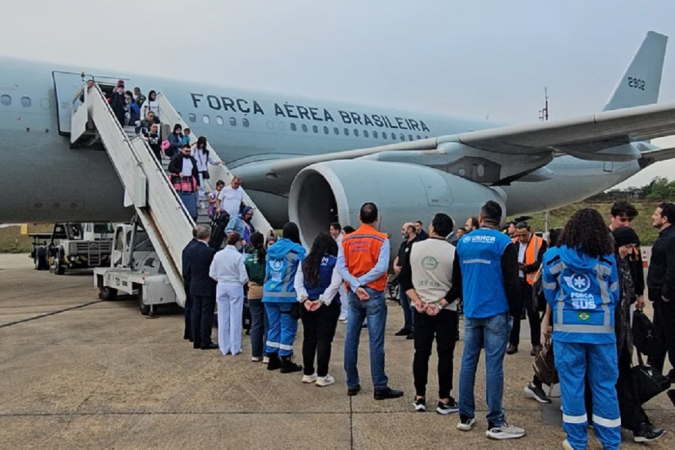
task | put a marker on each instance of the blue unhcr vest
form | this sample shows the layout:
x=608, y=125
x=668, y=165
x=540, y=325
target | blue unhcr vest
x=283, y=259
x=480, y=258
x=325, y=274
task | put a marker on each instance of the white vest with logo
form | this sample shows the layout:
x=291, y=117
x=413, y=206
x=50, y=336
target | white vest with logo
x=431, y=264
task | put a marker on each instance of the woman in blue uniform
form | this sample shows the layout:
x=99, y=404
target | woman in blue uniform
x=580, y=281
x=317, y=284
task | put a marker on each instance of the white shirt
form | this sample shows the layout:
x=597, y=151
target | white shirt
x=522, y=248
x=327, y=296
x=228, y=267
x=186, y=170
x=230, y=200
x=203, y=160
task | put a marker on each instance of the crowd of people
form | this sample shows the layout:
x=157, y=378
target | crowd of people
x=583, y=278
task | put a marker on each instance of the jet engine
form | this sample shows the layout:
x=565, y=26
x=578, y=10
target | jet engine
x=334, y=192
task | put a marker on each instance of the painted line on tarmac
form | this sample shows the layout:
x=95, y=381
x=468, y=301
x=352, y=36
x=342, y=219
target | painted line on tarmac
x=53, y=313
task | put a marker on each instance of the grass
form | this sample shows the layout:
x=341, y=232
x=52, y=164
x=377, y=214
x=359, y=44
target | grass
x=12, y=241
x=642, y=224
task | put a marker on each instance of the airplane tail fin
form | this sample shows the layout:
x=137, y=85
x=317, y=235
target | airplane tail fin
x=641, y=83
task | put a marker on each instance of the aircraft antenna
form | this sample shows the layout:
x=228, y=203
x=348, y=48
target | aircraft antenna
x=543, y=113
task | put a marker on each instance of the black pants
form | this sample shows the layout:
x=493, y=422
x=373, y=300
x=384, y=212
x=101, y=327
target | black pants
x=318, y=330
x=443, y=327
x=188, y=316
x=664, y=332
x=532, y=316
x=632, y=414
x=202, y=319
x=119, y=113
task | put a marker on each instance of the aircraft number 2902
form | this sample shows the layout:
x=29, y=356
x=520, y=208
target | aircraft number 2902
x=636, y=83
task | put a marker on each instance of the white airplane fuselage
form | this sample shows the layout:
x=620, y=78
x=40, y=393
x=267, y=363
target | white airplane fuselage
x=45, y=181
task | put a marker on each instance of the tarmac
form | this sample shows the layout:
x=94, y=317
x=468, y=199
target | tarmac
x=77, y=372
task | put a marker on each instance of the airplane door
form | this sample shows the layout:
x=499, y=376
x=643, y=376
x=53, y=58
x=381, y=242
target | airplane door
x=67, y=86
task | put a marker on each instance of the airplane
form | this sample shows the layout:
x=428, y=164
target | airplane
x=315, y=162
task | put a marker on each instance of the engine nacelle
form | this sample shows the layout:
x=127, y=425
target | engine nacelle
x=335, y=191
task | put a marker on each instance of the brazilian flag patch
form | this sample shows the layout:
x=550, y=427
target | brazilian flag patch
x=584, y=316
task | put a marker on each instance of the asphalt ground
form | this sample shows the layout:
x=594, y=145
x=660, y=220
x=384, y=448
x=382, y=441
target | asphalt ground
x=77, y=372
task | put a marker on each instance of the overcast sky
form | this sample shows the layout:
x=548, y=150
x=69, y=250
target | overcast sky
x=487, y=58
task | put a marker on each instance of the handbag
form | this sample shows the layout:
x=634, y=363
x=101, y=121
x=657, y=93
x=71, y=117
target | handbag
x=205, y=175
x=544, y=364
x=648, y=381
x=643, y=333
x=538, y=297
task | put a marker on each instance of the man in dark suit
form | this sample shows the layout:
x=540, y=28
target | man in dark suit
x=187, y=334
x=202, y=289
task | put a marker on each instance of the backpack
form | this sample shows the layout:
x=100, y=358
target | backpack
x=538, y=297
x=255, y=267
x=643, y=333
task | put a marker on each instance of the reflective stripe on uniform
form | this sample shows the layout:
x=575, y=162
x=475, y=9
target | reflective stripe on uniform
x=549, y=286
x=575, y=419
x=272, y=344
x=607, y=423
x=477, y=261
x=281, y=294
x=285, y=347
x=594, y=329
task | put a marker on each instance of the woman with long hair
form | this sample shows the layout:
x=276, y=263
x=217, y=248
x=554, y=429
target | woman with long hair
x=229, y=271
x=279, y=298
x=255, y=267
x=317, y=285
x=202, y=155
x=580, y=280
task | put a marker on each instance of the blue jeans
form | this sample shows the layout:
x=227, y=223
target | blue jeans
x=492, y=334
x=408, y=316
x=375, y=310
x=259, y=327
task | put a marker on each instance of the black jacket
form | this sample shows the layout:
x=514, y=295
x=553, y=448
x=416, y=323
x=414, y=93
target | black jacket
x=118, y=103
x=199, y=259
x=531, y=268
x=661, y=275
x=185, y=256
x=176, y=166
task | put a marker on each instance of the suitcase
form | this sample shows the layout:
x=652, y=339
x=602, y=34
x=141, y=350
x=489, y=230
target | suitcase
x=218, y=227
x=190, y=201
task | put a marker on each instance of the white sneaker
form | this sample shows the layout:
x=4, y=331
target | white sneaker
x=505, y=431
x=325, y=381
x=256, y=359
x=342, y=318
x=466, y=423
x=309, y=378
x=266, y=359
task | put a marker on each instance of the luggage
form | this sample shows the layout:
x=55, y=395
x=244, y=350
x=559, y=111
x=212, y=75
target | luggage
x=544, y=364
x=190, y=202
x=649, y=382
x=643, y=333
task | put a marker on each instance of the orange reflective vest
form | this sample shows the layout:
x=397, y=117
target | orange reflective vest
x=362, y=250
x=531, y=255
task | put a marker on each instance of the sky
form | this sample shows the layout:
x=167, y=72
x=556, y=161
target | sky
x=487, y=59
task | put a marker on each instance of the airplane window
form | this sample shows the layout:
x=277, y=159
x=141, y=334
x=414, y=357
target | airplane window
x=233, y=121
x=365, y=133
x=356, y=132
x=315, y=128
x=282, y=126
x=346, y=131
x=410, y=138
x=6, y=100
x=192, y=117
x=384, y=135
x=25, y=102
x=244, y=122
x=426, y=137
x=270, y=125
x=419, y=137
x=219, y=120
x=393, y=136
x=336, y=130
x=304, y=128
x=402, y=136
x=375, y=134
x=325, y=130
x=293, y=126
x=206, y=119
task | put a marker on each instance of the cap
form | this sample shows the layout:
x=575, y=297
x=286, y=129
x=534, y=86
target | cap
x=120, y=82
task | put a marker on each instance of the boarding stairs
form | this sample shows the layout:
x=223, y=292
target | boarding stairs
x=146, y=184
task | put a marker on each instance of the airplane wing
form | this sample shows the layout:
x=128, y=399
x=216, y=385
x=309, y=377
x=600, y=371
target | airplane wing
x=602, y=136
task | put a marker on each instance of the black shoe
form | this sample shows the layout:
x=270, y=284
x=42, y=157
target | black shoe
x=209, y=346
x=535, y=350
x=275, y=362
x=420, y=404
x=410, y=337
x=447, y=408
x=511, y=349
x=187, y=337
x=403, y=332
x=537, y=393
x=288, y=366
x=648, y=433
x=387, y=393
x=352, y=391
